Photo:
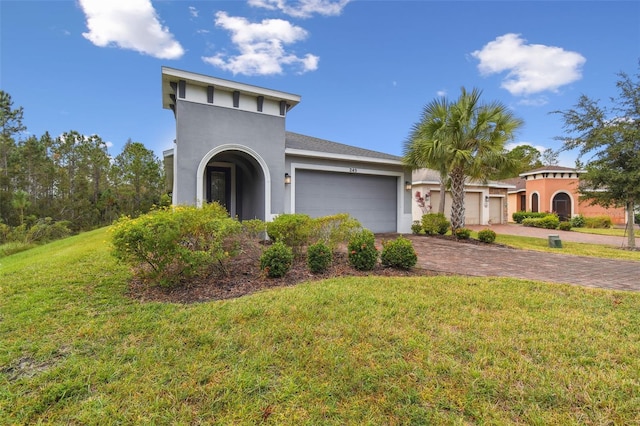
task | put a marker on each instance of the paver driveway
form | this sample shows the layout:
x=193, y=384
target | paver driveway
x=489, y=260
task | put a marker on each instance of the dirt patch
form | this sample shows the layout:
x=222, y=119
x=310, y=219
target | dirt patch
x=242, y=276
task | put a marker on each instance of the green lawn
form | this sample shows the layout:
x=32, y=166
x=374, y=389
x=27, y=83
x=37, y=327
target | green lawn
x=445, y=350
x=616, y=232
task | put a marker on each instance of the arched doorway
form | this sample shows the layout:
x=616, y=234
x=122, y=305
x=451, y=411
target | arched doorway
x=562, y=205
x=236, y=177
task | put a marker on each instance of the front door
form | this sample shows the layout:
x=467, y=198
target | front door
x=219, y=186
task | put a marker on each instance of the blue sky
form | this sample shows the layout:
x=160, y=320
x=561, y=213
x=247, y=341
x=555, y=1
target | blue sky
x=364, y=69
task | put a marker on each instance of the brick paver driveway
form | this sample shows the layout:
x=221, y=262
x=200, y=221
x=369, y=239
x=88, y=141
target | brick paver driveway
x=453, y=257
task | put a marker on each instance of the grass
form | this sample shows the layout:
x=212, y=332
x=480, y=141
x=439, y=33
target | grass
x=75, y=350
x=616, y=232
x=568, y=247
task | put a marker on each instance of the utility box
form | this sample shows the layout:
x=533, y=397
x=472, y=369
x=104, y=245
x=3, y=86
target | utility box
x=555, y=241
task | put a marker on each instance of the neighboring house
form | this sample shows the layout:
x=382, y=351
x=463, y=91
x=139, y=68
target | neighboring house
x=232, y=147
x=485, y=203
x=555, y=189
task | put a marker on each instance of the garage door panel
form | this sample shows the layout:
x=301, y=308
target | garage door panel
x=472, y=208
x=371, y=199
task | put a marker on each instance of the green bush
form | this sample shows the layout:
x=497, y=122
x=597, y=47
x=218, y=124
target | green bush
x=487, y=235
x=416, y=228
x=462, y=233
x=435, y=223
x=577, y=221
x=293, y=229
x=276, y=260
x=518, y=217
x=550, y=221
x=255, y=228
x=168, y=244
x=398, y=253
x=334, y=230
x=363, y=254
x=319, y=258
x=637, y=218
x=14, y=247
x=5, y=231
x=564, y=226
x=46, y=230
x=603, y=222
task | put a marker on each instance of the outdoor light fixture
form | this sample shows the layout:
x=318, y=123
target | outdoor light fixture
x=486, y=200
x=407, y=185
x=287, y=179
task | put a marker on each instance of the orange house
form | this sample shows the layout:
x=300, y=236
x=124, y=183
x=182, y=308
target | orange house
x=554, y=189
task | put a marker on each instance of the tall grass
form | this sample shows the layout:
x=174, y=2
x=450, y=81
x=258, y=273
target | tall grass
x=75, y=350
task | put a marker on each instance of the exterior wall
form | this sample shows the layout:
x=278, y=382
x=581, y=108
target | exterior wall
x=617, y=215
x=514, y=204
x=202, y=128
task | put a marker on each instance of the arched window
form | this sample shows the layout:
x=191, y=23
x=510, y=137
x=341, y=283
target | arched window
x=534, y=203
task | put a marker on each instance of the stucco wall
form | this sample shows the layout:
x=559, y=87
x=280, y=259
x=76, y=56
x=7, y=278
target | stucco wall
x=200, y=128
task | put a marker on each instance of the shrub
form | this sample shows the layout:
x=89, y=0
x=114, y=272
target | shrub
x=319, y=257
x=294, y=230
x=276, y=260
x=170, y=243
x=5, y=231
x=363, y=254
x=46, y=230
x=577, y=221
x=14, y=247
x=255, y=228
x=550, y=221
x=487, y=235
x=435, y=223
x=398, y=253
x=518, y=217
x=598, y=222
x=416, y=228
x=564, y=226
x=637, y=218
x=335, y=229
x=463, y=233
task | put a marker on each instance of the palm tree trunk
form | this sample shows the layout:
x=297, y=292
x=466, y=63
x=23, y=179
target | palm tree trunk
x=443, y=195
x=457, y=197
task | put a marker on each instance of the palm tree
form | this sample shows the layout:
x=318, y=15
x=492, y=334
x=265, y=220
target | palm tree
x=20, y=202
x=466, y=139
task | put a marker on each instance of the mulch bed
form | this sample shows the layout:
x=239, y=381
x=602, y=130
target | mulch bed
x=243, y=276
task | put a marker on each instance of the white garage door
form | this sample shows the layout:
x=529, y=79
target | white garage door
x=472, y=208
x=371, y=199
x=495, y=210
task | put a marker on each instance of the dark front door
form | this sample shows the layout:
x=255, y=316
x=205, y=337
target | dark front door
x=219, y=186
x=562, y=206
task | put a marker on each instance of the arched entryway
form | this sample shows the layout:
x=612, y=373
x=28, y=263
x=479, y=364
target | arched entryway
x=561, y=205
x=237, y=178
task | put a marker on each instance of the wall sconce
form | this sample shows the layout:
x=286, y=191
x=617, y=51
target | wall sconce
x=486, y=200
x=407, y=185
x=287, y=179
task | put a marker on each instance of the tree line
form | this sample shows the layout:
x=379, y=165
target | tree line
x=72, y=177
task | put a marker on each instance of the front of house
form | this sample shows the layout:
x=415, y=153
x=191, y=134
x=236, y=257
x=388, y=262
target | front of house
x=554, y=189
x=232, y=147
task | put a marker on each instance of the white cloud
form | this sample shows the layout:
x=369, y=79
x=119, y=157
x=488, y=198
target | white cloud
x=535, y=102
x=441, y=93
x=261, y=47
x=303, y=8
x=531, y=68
x=193, y=12
x=129, y=24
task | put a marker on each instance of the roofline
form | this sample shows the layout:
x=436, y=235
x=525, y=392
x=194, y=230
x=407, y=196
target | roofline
x=205, y=80
x=535, y=172
x=491, y=184
x=345, y=157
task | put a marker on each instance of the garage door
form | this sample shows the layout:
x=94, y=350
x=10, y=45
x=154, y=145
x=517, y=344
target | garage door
x=495, y=210
x=472, y=208
x=370, y=199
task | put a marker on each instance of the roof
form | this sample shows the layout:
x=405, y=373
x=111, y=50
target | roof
x=430, y=176
x=296, y=143
x=518, y=182
x=551, y=169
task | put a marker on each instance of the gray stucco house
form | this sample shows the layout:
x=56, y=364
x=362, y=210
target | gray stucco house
x=232, y=146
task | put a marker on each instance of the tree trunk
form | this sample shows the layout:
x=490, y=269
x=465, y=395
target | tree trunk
x=631, y=238
x=443, y=195
x=457, y=199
